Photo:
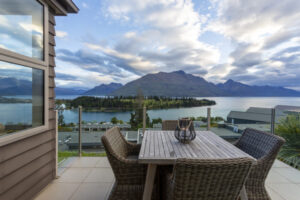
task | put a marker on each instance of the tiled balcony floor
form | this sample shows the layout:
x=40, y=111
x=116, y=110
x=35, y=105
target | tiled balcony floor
x=90, y=178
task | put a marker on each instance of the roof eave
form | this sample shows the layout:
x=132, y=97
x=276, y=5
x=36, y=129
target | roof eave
x=70, y=6
x=63, y=7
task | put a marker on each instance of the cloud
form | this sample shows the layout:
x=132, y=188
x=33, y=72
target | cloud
x=165, y=37
x=85, y=5
x=61, y=34
x=66, y=77
x=255, y=42
x=20, y=35
x=266, y=39
x=87, y=69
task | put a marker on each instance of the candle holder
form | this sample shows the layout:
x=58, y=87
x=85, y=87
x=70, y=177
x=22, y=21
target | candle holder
x=185, y=131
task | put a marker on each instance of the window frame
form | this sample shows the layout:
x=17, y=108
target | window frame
x=19, y=59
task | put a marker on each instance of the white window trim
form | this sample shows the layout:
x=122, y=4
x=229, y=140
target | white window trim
x=15, y=58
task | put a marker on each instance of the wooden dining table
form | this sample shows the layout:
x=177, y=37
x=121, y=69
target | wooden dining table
x=162, y=148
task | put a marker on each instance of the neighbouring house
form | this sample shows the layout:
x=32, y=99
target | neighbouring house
x=257, y=115
x=28, y=160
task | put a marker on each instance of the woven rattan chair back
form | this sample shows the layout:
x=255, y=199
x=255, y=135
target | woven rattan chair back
x=264, y=147
x=116, y=142
x=259, y=144
x=129, y=174
x=209, y=179
x=169, y=125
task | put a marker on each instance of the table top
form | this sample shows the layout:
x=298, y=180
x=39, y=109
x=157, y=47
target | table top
x=161, y=147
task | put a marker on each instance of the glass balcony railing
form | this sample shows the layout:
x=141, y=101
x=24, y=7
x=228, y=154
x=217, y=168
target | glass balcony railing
x=288, y=126
x=81, y=134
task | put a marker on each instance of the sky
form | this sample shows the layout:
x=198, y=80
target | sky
x=254, y=42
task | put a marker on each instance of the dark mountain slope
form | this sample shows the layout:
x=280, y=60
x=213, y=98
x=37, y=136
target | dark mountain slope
x=178, y=84
x=175, y=84
x=104, y=89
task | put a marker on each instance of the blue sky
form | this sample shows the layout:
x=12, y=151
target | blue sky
x=255, y=42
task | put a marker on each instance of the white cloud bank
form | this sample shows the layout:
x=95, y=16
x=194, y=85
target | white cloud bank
x=61, y=34
x=164, y=35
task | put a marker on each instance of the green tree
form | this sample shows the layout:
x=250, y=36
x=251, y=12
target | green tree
x=114, y=120
x=61, y=118
x=136, y=119
x=156, y=121
x=289, y=129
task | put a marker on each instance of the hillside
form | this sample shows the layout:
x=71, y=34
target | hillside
x=68, y=91
x=13, y=86
x=176, y=84
x=233, y=88
x=181, y=84
x=111, y=104
x=104, y=89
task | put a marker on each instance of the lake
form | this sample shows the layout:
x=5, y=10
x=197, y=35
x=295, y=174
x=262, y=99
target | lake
x=22, y=112
x=223, y=107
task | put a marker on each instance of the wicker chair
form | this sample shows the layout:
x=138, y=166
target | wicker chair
x=264, y=147
x=168, y=125
x=219, y=179
x=122, y=155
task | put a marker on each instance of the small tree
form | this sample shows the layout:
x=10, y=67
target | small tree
x=136, y=119
x=156, y=121
x=114, y=120
x=61, y=118
x=289, y=129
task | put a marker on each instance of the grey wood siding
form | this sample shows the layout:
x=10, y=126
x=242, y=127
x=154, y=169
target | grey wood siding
x=28, y=165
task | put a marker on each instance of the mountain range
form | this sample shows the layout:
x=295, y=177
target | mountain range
x=13, y=86
x=179, y=83
x=173, y=84
x=69, y=91
x=103, y=89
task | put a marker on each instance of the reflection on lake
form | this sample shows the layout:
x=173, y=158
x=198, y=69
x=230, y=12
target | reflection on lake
x=16, y=113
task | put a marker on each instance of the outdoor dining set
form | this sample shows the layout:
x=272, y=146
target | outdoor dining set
x=183, y=164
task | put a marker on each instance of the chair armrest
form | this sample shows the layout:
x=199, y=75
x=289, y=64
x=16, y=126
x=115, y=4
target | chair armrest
x=133, y=148
x=130, y=172
x=235, y=143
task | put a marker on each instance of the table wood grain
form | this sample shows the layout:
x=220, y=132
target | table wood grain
x=161, y=147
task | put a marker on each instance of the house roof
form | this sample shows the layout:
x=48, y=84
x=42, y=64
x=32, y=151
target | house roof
x=63, y=7
x=259, y=117
x=288, y=108
x=257, y=114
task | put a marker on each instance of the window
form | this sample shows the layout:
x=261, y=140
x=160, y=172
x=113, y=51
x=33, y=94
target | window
x=21, y=98
x=23, y=67
x=21, y=27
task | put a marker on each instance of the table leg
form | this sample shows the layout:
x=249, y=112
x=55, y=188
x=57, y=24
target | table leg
x=151, y=171
x=243, y=193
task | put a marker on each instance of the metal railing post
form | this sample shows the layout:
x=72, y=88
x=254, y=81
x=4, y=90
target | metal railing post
x=79, y=130
x=56, y=143
x=138, y=136
x=144, y=119
x=208, y=118
x=273, y=120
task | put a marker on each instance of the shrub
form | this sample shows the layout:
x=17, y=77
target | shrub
x=289, y=129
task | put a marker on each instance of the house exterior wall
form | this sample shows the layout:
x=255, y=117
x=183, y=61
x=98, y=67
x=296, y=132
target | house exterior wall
x=244, y=121
x=29, y=164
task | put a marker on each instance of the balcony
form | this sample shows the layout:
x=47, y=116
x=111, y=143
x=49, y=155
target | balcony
x=91, y=178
